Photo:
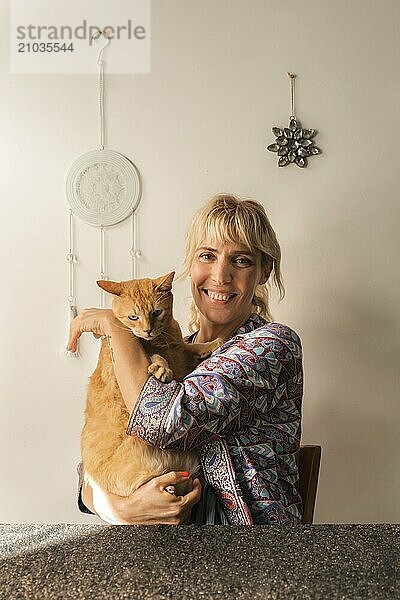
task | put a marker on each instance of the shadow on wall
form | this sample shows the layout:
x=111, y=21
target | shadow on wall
x=351, y=355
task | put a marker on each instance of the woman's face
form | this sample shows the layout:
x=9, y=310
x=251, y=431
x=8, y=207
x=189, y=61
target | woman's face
x=224, y=278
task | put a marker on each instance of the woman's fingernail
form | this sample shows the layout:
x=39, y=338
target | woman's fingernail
x=184, y=473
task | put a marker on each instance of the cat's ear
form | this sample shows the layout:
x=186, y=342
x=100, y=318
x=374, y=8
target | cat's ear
x=112, y=287
x=164, y=283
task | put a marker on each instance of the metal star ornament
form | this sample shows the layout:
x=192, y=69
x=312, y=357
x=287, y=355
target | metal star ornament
x=293, y=144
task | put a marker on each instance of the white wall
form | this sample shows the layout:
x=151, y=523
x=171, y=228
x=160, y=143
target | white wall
x=197, y=125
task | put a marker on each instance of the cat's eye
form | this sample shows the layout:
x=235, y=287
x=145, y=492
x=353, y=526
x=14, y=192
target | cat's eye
x=156, y=313
x=133, y=317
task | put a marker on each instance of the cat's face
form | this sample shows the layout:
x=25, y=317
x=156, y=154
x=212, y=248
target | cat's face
x=143, y=305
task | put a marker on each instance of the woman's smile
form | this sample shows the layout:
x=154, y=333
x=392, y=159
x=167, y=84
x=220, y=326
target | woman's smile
x=219, y=297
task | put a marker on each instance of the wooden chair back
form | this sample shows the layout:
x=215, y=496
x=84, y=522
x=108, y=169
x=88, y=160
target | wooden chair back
x=308, y=463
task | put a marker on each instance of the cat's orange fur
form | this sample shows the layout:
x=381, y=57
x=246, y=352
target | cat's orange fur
x=115, y=461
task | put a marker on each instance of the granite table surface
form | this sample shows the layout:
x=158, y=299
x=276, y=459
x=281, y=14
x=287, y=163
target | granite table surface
x=200, y=562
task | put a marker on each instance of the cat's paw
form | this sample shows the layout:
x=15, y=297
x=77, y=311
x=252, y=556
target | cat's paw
x=161, y=372
x=217, y=343
x=212, y=346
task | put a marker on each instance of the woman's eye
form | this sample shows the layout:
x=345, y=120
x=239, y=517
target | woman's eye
x=206, y=256
x=243, y=261
x=156, y=313
x=133, y=317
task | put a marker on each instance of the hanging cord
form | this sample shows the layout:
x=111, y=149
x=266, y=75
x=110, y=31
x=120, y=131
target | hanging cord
x=101, y=104
x=100, y=62
x=102, y=265
x=72, y=260
x=135, y=254
x=292, y=78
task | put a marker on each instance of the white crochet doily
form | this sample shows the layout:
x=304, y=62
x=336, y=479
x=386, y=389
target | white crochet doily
x=103, y=187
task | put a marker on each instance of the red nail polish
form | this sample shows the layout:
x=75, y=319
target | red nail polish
x=184, y=473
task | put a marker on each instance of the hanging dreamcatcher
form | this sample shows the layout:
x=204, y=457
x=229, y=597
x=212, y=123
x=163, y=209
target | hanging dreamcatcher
x=293, y=144
x=103, y=188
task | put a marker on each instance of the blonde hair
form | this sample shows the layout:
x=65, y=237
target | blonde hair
x=228, y=218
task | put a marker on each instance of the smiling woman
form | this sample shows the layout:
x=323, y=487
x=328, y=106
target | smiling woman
x=243, y=224
x=224, y=280
x=240, y=409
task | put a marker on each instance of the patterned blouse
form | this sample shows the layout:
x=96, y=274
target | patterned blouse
x=241, y=410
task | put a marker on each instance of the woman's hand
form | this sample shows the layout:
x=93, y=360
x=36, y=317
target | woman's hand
x=97, y=320
x=150, y=504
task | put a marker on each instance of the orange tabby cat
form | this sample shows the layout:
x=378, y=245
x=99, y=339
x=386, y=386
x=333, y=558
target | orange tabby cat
x=113, y=460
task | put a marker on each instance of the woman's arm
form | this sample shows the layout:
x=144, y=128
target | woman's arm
x=148, y=505
x=130, y=361
x=217, y=398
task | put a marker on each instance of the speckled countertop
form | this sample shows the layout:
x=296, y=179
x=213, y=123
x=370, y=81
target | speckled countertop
x=193, y=562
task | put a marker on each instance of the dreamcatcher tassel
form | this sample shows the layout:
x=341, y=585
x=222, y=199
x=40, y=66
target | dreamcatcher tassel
x=72, y=260
x=72, y=313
